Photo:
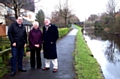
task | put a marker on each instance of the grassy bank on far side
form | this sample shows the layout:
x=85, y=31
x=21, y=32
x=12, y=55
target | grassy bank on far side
x=85, y=64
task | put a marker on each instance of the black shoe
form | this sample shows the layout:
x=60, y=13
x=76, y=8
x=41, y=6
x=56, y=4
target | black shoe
x=22, y=70
x=32, y=68
x=55, y=70
x=45, y=68
x=12, y=73
x=38, y=67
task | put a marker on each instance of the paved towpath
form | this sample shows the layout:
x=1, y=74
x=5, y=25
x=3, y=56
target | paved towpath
x=65, y=49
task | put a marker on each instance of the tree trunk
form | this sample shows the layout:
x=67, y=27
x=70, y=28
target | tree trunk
x=65, y=21
x=17, y=12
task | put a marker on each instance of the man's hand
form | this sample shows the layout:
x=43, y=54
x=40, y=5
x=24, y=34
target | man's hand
x=51, y=42
x=14, y=44
x=25, y=45
x=37, y=45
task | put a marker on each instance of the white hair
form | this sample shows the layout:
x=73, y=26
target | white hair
x=47, y=21
x=19, y=17
x=35, y=22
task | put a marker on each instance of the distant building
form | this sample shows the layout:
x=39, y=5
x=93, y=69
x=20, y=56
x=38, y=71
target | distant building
x=28, y=4
x=117, y=14
x=3, y=12
x=7, y=15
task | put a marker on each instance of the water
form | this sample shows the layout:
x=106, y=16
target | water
x=106, y=49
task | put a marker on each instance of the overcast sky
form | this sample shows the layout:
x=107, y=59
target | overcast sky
x=82, y=8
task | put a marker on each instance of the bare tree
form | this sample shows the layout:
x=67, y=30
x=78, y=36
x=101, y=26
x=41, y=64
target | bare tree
x=64, y=11
x=93, y=17
x=111, y=10
x=55, y=17
x=16, y=5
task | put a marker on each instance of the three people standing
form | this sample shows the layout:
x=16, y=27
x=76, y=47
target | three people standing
x=18, y=37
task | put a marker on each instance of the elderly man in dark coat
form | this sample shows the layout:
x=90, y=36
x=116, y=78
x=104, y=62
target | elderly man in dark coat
x=50, y=36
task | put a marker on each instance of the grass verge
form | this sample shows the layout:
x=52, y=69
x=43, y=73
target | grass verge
x=85, y=64
x=3, y=70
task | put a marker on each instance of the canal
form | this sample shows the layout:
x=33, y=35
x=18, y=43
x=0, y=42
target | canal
x=105, y=47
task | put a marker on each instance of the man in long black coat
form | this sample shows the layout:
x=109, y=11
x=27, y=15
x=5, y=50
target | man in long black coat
x=50, y=36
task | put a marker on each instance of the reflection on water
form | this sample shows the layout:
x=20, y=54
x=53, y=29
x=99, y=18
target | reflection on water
x=106, y=49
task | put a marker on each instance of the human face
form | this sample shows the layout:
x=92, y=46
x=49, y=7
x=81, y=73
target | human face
x=19, y=20
x=46, y=22
x=35, y=25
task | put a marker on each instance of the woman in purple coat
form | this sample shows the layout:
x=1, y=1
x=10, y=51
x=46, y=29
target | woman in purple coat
x=35, y=40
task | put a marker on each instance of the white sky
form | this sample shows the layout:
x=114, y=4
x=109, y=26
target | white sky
x=81, y=8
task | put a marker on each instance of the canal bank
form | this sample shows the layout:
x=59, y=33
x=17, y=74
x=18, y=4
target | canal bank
x=106, y=49
x=86, y=65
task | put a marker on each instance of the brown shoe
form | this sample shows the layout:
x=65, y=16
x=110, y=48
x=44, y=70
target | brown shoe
x=45, y=68
x=55, y=70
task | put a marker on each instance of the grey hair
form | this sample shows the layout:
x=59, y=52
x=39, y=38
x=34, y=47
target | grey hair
x=20, y=17
x=46, y=19
x=35, y=22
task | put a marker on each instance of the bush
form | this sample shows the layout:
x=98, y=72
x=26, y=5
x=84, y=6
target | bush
x=63, y=31
x=4, y=43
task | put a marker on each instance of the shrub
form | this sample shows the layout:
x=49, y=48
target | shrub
x=63, y=31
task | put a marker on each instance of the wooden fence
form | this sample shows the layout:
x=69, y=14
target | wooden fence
x=5, y=56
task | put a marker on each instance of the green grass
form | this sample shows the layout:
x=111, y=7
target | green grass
x=0, y=59
x=3, y=70
x=85, y=64
x=63, y=31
